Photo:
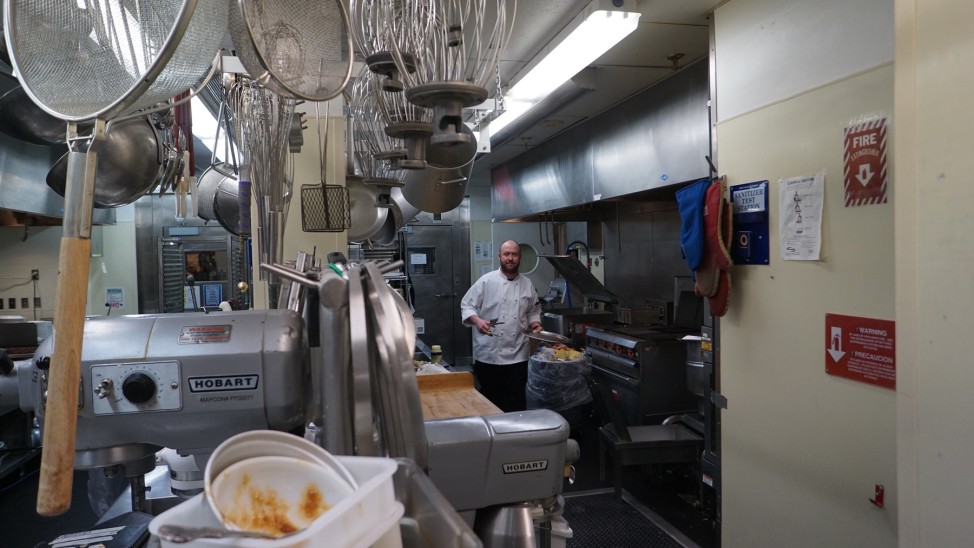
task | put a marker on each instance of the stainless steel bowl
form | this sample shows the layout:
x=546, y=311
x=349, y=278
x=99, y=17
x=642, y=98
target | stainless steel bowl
x=367, y=218
x=443, y=184
x=129, y=164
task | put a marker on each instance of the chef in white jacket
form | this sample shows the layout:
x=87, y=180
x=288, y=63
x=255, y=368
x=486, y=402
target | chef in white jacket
x=502, y=307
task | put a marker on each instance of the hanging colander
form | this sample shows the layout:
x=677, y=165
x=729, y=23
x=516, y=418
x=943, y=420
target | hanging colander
x=295, y=48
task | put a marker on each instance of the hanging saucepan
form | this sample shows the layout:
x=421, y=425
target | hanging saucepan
x=442, y=185
x=390, y=227
x=367, y=218
x=408, y=210
x=25, y=121
x=129, y=164
x=400, y=213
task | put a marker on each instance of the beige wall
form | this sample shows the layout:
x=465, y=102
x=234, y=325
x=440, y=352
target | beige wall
x=802, y=450
x=115, y=267
x=934, y=270
x=39, y=251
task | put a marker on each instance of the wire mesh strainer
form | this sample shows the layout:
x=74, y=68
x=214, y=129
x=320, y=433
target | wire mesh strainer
x=296, y=48
x=89, y=59
x=314, y=215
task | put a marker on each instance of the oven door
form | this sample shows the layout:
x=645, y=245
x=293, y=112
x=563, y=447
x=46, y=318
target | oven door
x=624, y=392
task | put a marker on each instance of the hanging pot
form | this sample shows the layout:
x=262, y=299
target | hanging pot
x=390, y=228
x=129, y=164
x=443, y=184
x=367, y=217
x=409, y=211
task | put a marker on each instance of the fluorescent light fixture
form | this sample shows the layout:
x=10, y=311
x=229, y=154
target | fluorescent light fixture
x=594, y=32
x=572, y=89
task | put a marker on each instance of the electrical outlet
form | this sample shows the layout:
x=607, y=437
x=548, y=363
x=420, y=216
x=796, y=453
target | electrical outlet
x=35, y=274
x=1, y=304
x=37, y=302
x=24, y=302
x=12, y=303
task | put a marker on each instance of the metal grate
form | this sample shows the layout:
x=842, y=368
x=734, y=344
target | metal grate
x=173, y=275
x=325, y=208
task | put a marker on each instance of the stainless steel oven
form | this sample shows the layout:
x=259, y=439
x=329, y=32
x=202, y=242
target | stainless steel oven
x=645, y=370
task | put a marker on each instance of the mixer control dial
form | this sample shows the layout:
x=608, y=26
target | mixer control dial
x=138, y=388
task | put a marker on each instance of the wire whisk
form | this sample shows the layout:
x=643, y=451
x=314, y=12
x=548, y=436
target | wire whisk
x=262, y=120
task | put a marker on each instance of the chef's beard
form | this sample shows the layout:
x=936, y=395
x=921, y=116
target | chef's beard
x=509, y=272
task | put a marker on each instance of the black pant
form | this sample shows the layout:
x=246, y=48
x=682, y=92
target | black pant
x=504, y=384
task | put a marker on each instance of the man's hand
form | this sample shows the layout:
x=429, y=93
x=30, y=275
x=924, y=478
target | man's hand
x=481, y=324
x=535, y=327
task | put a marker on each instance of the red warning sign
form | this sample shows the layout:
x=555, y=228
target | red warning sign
x=861, y=349
x=865, y=163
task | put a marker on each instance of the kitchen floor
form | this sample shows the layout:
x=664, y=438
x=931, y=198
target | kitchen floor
x=668, y=494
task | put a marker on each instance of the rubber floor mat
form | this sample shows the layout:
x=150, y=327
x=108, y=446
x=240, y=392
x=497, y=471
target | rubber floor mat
x=606, y=521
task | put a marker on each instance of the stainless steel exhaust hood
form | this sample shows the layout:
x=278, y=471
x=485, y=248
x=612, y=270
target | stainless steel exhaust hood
x=656, y=139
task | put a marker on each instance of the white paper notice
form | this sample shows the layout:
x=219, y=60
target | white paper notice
x=800, y=204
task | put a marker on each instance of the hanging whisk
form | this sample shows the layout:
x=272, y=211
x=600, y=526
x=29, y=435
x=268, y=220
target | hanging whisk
x=262, y=120
x=456, y=46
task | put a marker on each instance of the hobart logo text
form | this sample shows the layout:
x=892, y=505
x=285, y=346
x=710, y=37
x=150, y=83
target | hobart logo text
x=529, y=466
x=222, y=383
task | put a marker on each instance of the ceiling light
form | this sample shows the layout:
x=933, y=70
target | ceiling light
x=572, y=89
x=595, y=31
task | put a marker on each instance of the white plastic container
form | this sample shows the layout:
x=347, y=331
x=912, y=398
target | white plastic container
x=368, y=517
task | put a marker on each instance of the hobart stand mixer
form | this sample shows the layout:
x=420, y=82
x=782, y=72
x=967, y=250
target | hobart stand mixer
x=179, y=381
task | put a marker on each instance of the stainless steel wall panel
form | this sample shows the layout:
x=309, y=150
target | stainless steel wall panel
x=554, y=175
x=650, y=254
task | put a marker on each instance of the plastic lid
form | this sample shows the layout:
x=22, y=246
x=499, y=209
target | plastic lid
x=436, y=349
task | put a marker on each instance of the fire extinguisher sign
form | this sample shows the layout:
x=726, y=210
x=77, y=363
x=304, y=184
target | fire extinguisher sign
x=865, y=176
x=861, y=349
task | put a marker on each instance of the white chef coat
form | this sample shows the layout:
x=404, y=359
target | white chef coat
x=515, y=305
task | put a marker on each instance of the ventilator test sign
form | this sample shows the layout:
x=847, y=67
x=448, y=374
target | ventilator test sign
x=861, y=349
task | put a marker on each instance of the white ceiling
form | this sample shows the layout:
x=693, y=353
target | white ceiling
x=666, y=28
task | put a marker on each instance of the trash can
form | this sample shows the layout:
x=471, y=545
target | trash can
x=559, y=385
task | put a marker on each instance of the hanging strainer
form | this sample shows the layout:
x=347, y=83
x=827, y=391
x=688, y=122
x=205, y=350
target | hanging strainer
x=96, y=59
x=296, y=48
x=87, y=59
x=324, y=207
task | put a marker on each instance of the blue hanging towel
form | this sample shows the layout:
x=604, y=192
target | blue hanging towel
x=690, y=200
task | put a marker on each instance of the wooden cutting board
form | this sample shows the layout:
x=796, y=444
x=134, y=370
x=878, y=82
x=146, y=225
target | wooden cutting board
x=450, y=395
